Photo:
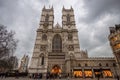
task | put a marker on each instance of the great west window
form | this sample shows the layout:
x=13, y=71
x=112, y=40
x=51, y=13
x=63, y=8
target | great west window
x=57, y=43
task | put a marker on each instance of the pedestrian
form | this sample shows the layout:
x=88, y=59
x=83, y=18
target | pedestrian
x=68, y=78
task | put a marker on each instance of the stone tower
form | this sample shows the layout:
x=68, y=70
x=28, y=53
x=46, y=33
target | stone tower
x=114, y=39
x=56, y=47
x=24, y=64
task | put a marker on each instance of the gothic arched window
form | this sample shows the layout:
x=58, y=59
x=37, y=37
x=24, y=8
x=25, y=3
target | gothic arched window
x=86, y=64
x=70, y=36
x=68, y=17
x=107, y=64
x=79, y=65
x=47, y=17
x=42, y=61
x=100, y=64
x=57, y=43
x=114, y=65
x=44, y=37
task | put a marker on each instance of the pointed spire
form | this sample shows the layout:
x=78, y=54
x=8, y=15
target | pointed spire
x=49, y=6
x=63, y=7
x=52, y=8
x=71, y=8
x=44, y=7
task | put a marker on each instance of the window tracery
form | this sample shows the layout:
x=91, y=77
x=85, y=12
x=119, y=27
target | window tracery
x=57, y=43
x=43, y=47
x=71, y=48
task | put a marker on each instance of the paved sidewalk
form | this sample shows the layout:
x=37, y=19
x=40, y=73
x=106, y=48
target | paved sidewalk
x=22, y=78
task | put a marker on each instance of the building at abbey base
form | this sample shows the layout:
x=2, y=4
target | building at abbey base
x=57, y=51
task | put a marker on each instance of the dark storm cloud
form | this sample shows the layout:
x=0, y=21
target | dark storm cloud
x=95, y=9
x=21, y=17
x=93, y=17
x=100, y=15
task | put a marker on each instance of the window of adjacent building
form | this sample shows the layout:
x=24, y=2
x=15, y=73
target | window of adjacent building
x=114, y=38
x=44, y=37
x=98, y=72
x=57, y=43
x=117, y=46
x=88, y=73
x=107, y=73
x=78, y=73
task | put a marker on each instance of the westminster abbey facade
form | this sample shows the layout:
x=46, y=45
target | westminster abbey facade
x=57, y=50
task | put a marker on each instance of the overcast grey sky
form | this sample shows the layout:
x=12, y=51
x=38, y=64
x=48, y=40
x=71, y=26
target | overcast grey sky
x=93, y=19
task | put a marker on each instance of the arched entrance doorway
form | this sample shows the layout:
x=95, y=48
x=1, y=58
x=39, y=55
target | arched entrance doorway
x=56, y=70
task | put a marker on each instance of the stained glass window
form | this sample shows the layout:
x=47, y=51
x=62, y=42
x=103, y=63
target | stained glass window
x=57, y=43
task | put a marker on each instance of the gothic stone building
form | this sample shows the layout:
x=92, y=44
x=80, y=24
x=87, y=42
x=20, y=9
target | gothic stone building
x=114, y=39
x=57, y=50
x=24, y=64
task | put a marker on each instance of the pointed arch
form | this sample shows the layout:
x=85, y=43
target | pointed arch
x=47, y=17
x=70, y=37
x=68, y=17
x=41, y=59
x=44, y=37
x=57, y=43
x=56, y=69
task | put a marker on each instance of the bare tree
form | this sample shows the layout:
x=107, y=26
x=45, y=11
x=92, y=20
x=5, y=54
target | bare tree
x=8, y=43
